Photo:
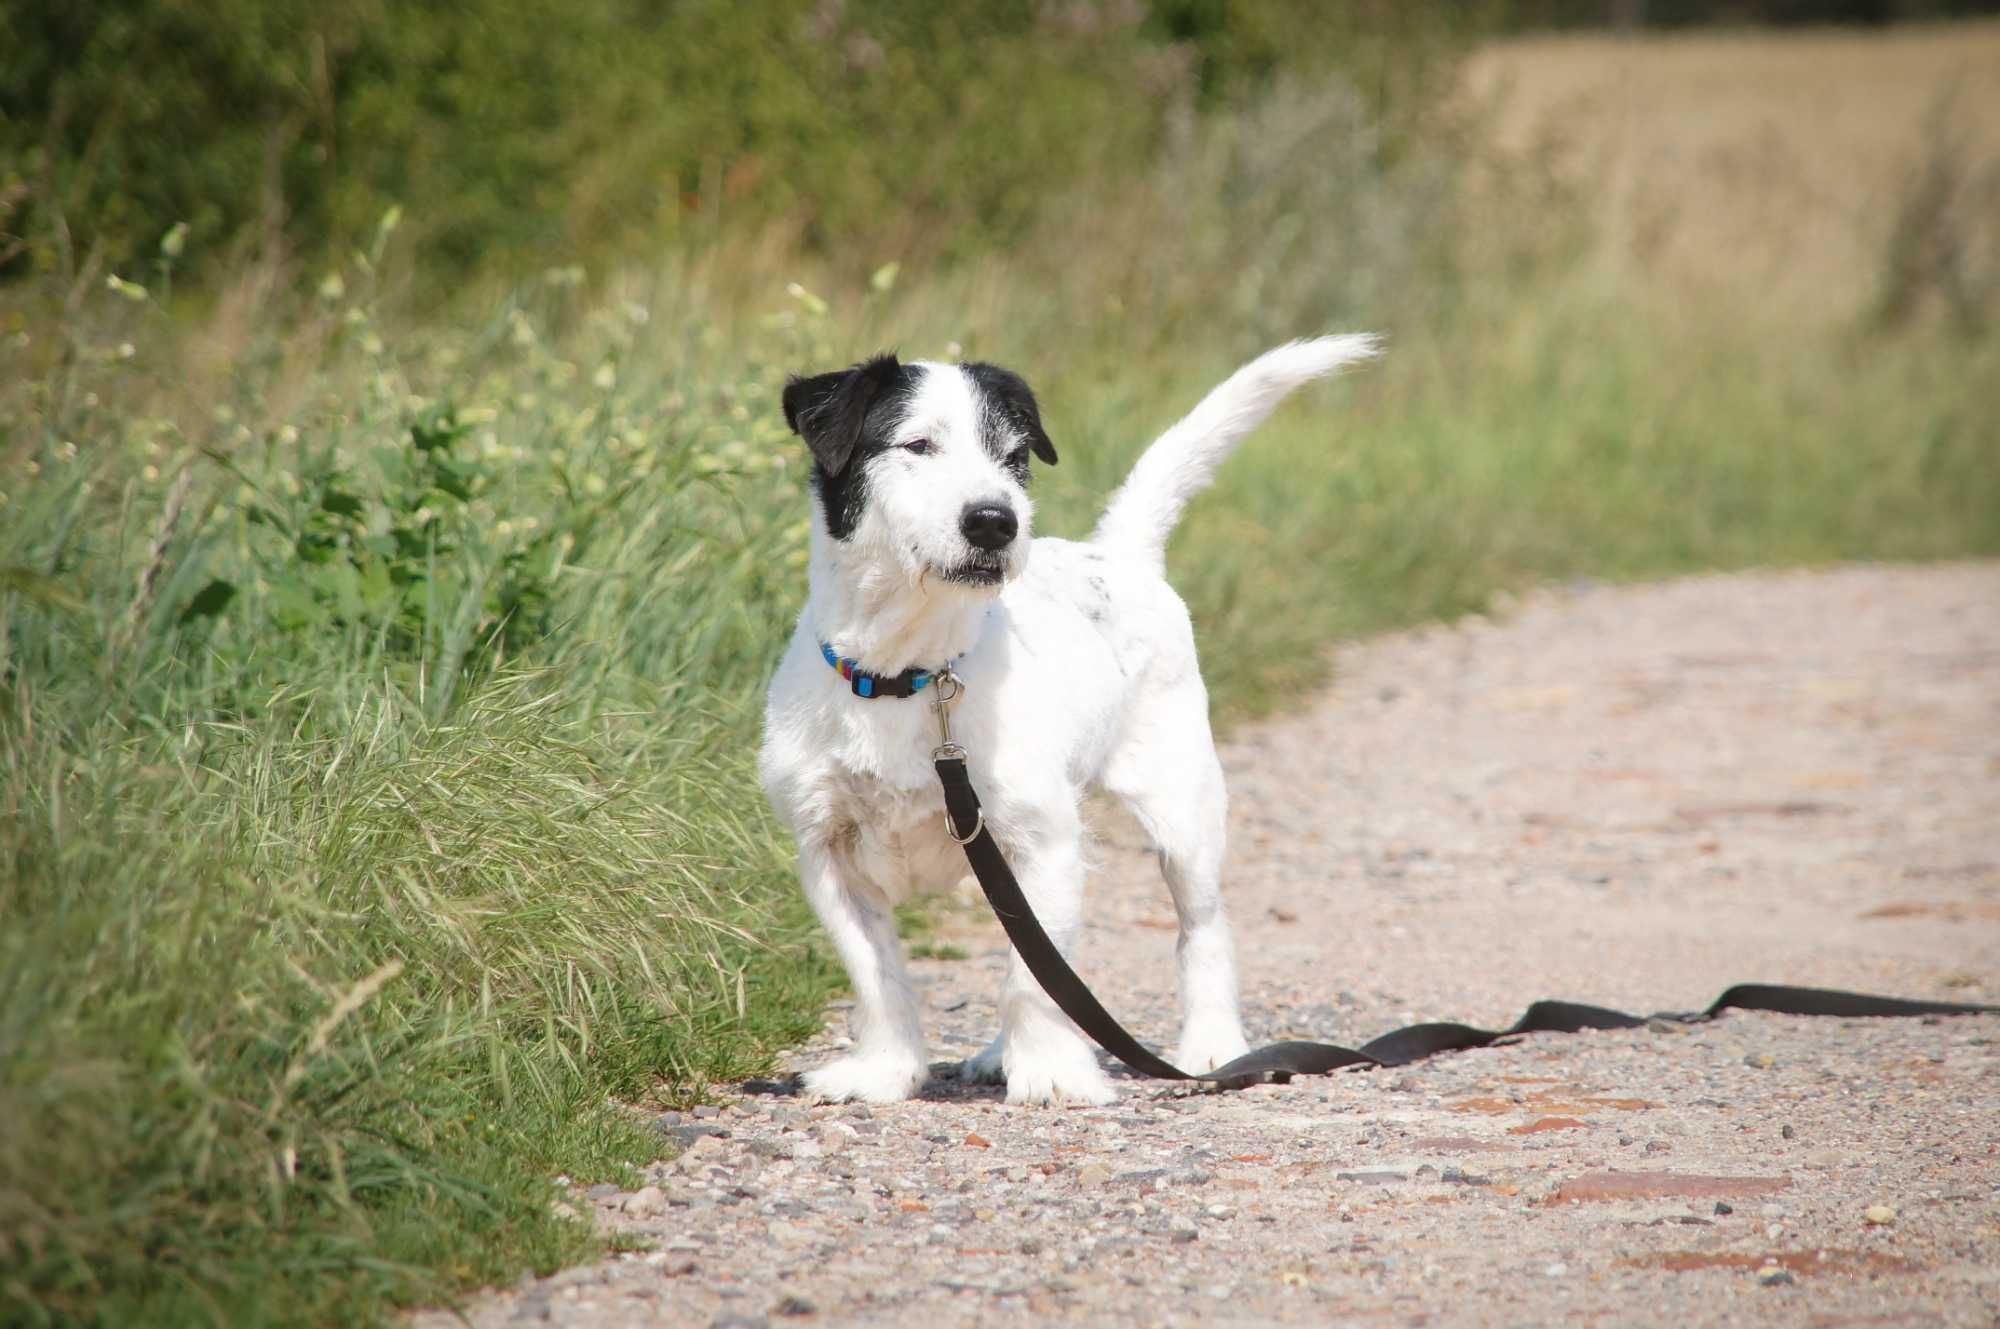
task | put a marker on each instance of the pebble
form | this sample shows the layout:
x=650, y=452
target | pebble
x=1775, y=1276
x=1878, y=1215
x=1092, y=1175
x=645, y=1202
x=787, y=1233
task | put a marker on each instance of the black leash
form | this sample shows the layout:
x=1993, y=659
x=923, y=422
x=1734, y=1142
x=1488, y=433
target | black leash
x=1281, y=1061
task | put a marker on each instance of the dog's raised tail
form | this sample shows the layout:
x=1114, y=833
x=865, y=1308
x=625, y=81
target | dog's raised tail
x=1182, y=462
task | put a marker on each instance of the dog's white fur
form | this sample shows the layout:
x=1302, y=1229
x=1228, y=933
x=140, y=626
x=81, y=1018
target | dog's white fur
x=1079, y=671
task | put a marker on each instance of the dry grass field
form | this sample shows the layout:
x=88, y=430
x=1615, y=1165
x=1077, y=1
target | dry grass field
x=1772, y=170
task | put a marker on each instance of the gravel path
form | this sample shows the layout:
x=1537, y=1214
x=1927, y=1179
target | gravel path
x=1631, y=796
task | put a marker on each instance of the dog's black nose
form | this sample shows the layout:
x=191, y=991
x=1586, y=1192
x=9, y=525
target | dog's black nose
x=989, y=526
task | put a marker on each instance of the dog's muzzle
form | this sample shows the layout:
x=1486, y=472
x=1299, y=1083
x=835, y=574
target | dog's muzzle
x=989, y=526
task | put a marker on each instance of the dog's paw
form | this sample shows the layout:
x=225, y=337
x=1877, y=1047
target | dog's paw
x=869, y=1079
x=1069, y=1083
x=1205, y=1048
x=985, y=1066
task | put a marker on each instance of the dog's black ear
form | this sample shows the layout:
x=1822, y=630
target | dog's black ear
x=1008, y=392
x=828, y=410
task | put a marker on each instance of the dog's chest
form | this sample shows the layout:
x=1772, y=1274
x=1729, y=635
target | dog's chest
x=895, y=836
x=886, y=809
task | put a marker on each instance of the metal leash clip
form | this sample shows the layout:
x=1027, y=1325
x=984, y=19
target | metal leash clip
x=946, y=688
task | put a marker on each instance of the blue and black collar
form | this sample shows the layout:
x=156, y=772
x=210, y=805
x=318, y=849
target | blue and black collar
x=906, y=684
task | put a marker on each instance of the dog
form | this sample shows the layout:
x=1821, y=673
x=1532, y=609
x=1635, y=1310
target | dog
x=1078, y=667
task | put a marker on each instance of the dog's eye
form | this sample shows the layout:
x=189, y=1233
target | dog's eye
x=1018, y=458
x=919, y=447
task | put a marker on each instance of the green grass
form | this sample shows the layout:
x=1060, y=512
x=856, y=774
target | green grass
x=377, y=810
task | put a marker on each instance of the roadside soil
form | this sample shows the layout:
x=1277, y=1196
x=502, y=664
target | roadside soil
x=1630, y=796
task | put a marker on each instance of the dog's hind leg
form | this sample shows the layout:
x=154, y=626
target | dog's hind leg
x=887, y=1063
x=1172, y=782
x=986, y=1066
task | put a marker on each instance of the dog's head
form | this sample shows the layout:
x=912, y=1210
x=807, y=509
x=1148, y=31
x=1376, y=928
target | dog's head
x=923, y=468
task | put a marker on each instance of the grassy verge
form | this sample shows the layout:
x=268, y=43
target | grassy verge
x=376, y=808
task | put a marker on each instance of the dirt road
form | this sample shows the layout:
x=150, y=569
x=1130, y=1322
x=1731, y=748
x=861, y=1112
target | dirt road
x=1629, y=796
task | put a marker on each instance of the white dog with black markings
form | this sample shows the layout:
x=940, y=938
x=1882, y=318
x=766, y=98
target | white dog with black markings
x=1078, y=669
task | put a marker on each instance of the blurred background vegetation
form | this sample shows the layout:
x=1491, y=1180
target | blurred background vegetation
x=397, y=526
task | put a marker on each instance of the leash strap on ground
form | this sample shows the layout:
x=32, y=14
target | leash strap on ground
x=1399, y=1047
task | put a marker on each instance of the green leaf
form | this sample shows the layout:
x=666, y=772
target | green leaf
x=209, y=601
x=456, y=479
x=436, y=428
x=341, y=504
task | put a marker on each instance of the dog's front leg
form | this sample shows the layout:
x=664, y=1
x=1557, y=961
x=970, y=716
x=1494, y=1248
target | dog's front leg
x=887, y=1063
x=1044, y=1058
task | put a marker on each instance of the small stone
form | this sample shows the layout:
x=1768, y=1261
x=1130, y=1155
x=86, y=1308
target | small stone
x=1772, y=1275
x=1092, y=1174
x=1031, y=1245
x=1773, y=1211
x=770, y=1149
x=686, y=1135
x=1220, y=1212
x=1878, y=1215
x=732, y=1320
x=1017, y=1174
x=1556, y=1270
x=834, y=1136
x=857, y=1112
x=604, y=1190
x=974, y=1140
x=805, y=1151
x=1182, y=1231
x=645, y=1202
x=1724, y=1207
x=707, y=1112
x=787, y=1234
x=795, y=1306
x=1760, y=1061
